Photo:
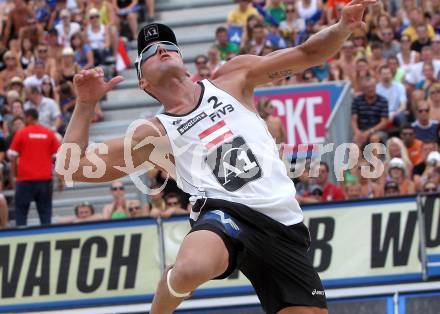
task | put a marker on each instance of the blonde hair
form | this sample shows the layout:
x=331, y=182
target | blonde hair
x=403, y=152
x=435, y=86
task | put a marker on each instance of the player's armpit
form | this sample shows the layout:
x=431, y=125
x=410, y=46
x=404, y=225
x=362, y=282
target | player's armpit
x=143, y=148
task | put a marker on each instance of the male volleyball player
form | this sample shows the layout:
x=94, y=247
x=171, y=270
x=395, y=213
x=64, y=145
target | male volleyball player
x=244, y=215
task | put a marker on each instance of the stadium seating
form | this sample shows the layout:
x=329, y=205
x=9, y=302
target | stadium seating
x=194, y=22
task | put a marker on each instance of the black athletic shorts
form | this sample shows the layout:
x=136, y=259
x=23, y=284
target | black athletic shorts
x=271, y=255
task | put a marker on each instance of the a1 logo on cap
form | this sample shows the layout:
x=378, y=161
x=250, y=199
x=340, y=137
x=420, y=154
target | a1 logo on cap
x=151, y=32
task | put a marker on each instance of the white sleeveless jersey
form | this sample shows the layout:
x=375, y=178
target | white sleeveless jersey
x=224, y=150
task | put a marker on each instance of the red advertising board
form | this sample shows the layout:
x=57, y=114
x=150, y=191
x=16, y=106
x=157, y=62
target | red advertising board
x=303, y=110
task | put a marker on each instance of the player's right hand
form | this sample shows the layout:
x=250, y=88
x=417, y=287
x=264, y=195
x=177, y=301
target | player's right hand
x=90, y=86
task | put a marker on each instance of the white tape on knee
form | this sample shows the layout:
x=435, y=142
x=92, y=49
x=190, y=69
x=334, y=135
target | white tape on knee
x=172, y=291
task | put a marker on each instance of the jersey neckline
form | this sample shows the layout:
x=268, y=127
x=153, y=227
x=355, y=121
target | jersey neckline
x=202, y=93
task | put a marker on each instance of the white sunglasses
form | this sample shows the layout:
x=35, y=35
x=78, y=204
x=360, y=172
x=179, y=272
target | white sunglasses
x=151, y=50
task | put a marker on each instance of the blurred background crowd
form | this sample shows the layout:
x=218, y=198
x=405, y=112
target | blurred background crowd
x=43, y=44
x=393, y=66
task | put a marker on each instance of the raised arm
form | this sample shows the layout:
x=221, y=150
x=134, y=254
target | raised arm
x=113, y=159
x=315, y=51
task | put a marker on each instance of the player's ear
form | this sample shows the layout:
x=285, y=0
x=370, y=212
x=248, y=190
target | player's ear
x=143, y=84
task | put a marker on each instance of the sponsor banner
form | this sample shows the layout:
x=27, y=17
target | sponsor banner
x=78, y=265
x=113, y=262
x=365, y=242
x=431, y=211
x=353, y=244
x=303, y=110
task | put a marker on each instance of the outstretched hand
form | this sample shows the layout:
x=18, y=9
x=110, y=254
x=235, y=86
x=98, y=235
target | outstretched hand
x=353, y=13
x=90, y=86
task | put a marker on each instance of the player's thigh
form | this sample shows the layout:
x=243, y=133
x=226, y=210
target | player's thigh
x=303, y=310
x=202, y=255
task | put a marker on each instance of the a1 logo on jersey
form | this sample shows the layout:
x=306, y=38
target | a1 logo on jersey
x=234, y=164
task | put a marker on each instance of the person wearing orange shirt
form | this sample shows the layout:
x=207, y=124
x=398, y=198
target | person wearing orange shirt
x=413, y=145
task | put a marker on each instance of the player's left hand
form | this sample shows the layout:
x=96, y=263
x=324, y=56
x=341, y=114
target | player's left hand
x=352, y=14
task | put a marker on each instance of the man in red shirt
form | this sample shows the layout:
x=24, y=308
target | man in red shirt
x=31, y=154
x=330, y=191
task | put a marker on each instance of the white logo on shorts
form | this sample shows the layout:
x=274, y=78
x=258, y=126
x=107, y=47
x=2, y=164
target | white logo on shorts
x=318, y=292
x=226, y=221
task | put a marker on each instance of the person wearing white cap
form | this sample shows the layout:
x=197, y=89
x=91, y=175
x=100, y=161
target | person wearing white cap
x=98, y=36
x=12, y=70
x=434, y=159
x=431, y=172
x=68, y=67
x=397, y=173
x=66, y=28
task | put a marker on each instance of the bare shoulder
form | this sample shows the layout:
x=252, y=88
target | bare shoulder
x=148, y=128
x=232, y=77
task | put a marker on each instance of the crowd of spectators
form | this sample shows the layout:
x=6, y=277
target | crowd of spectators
x=161, y=205
x=43, y=44
x=393, y=66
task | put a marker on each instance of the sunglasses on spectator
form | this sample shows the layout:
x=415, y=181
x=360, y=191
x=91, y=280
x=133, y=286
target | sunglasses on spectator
x=115, y=188
x=42, y=50
x=201, y=62
x=423, y=110
x=151, y=50
x=172, y=203
x=290, y=10
x=130, y=209
x=94, y=17
x=433, y=189
x=435, y=91
x=387, y=34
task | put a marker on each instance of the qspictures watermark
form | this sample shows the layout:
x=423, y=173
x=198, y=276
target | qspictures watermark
x=68, y=163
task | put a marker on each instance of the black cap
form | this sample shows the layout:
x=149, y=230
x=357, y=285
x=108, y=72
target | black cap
x=155, y=32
